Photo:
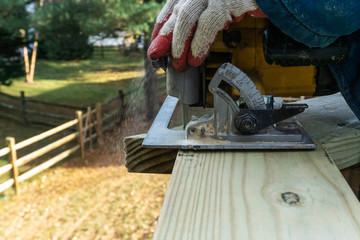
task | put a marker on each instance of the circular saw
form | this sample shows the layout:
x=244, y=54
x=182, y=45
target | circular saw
x=246, y=120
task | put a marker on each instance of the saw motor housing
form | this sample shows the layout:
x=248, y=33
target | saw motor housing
x=278, y=65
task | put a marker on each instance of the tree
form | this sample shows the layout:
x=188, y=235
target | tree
x=64, y=27
x=13, y=17
x=135, y=16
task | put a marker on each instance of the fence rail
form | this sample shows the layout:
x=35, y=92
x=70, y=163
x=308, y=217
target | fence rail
x=33, y=111
x=90, y=125
x=15, y=162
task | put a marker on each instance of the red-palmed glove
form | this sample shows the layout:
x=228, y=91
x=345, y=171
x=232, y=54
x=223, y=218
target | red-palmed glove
x=187, y=28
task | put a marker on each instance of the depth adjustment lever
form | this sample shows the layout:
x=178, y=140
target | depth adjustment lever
x=251, y=121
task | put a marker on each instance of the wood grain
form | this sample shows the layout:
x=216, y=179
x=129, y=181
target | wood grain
x=251, y=195
x=330, y=120
x=147, y=160
x=270, y=194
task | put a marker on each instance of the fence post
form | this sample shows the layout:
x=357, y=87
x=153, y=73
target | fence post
x=81, y=133
x=122, y=104
x=90, y=127
x=12, y=158
x=99, y=124
x=23, y=107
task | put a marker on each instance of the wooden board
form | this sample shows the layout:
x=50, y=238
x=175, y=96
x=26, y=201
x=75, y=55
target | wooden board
x=258, y=195
x=331, y=121
x=145, y=160
x=328, y=120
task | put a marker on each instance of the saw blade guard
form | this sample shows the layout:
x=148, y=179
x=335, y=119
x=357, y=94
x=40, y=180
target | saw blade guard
x=225, y=107
x=229, y=120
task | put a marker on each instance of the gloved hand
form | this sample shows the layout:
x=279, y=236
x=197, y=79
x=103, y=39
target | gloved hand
x=187, y=28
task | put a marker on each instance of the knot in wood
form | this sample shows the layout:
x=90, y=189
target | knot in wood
x=290, y=198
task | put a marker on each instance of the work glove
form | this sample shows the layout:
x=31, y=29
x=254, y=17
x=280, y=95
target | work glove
x=187, y=28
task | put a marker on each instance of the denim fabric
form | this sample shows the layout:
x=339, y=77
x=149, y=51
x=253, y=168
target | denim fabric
x=347, y=75
x=317, y=23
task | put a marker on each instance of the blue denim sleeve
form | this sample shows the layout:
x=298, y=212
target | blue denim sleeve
x=318, y=23
x=347, y=74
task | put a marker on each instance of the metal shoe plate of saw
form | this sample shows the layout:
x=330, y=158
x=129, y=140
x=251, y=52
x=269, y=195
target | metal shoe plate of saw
x=262, y=124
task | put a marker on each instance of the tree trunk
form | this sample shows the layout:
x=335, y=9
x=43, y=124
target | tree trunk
x=150, y=86
x=30, y=79
x=26, y=55
x=33, y=60
x=26, y=61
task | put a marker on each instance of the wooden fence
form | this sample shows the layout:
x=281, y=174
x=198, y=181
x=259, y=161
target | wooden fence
x=32, y=111
x=114, y=51
x=106, y=51
x=90, y=125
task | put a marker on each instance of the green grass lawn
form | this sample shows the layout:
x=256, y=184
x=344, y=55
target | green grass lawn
x=82, y=82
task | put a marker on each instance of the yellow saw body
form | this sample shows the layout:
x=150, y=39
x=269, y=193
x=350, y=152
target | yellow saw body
x=249, y=57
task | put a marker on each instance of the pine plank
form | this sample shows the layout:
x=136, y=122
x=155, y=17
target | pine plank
x=246, y=195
